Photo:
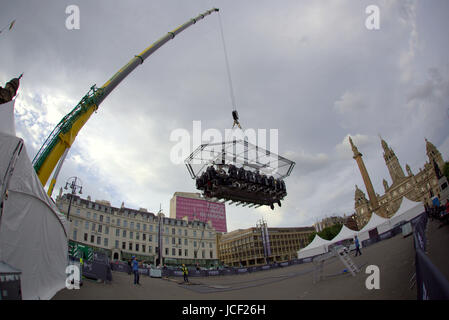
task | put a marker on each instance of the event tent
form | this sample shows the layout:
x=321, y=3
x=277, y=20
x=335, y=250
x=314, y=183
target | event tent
x=344, y=234
x=33, y=233
x=407, y=211
x=316, y=247
x=382, y=225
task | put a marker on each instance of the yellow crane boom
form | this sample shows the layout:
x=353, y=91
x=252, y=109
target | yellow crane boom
x=56, y=146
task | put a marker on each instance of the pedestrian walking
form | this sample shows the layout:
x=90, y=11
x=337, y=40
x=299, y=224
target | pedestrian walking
x=357, y=246
x=185, y=273
x=129, y=266
x=135, y=265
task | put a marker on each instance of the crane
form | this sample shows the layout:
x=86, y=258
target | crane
x=55, y=148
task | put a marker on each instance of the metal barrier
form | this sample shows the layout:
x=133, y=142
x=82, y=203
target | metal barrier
x=431, y=283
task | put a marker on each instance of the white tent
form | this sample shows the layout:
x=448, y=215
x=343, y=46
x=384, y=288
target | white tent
x=33, y=236
x=316, y=247
x=345, y=233
x=374, y=222
x=407, y=211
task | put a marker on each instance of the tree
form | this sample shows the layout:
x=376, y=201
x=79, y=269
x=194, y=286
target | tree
x=446, y=169
x=327, y=233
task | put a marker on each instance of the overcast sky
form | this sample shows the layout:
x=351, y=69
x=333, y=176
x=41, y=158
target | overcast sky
x=310, y=69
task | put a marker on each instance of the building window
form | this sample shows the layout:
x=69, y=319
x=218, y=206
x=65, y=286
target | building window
x=125, y=223
x=101, y=218
x=179, y=241
x=123, y=245
x=95, y=216
x=92, y=238
x=93, y=226
x=131, y=225
x=166, y=251
x=143, y=248
x=186, y=252
x=144, y=237
x=210, y=245
x=108, y=219
x=185, y=242
x=137, y=247
x=144, y=227
x=166, y=240
x=124, y=234
x=105, y=242
x=180, y=252
x=194, y=233
x=86, y=225
x=211, y=254
x=194, y=244
x=100, y=228
x=118, y=222
x=138, y=226
x=151, y=228
x=106, y=229
x=130, y=234
x=150, y=237
x=137, y=236
x=117, y=232
x=88, y=215
x=173, y=231
x=202, y=244
x=116, y=244
x=150, y=249
x=173, y=241
x=185, y=232
x=180, y=232
x=74, y=234
x=85, y=237
x=173, y=252
x=98, y=240
x=130, y=246
x=76, y=223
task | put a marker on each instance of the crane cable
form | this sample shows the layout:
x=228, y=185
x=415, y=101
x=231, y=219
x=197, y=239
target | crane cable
x=228, y=71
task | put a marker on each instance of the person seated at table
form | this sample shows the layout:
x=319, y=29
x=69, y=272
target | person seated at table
x=232, y=171
x=271, y=183
x=241, y=174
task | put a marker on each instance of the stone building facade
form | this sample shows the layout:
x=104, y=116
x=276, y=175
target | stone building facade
x=245, y=247
x=124, y=232
x=420, y=186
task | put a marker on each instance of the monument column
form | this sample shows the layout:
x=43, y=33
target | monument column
x=369, y=187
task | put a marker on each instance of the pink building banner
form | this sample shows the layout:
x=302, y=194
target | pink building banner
x=203, y=211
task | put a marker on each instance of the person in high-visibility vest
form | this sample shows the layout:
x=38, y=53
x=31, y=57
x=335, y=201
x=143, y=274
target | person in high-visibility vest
x=185, y=273
x=81, y=270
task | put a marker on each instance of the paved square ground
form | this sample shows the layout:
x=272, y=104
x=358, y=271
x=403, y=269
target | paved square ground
x=394, y=257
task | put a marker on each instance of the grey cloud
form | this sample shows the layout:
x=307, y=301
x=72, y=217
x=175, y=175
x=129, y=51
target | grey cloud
x=290, y=64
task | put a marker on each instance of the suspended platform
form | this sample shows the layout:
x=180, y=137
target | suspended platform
x=240, y=173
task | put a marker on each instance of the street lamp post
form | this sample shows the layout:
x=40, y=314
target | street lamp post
x=72, y=184
x=159, y=239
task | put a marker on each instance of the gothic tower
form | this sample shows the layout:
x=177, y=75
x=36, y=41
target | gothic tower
x=434, y=155
x=395, y=169
x=362, y=207
x=366, y=179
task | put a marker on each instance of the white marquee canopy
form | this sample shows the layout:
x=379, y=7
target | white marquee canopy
x=33, y=233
